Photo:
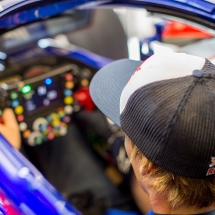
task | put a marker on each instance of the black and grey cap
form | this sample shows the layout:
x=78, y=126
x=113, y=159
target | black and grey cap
x=166, y=105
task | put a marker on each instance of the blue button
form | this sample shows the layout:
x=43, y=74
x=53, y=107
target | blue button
x=48, y=81
x=42, y=127
x=67, y=92
x=14, y=103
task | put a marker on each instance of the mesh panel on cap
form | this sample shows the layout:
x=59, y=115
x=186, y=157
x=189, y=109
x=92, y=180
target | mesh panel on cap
x=192, y=136
x=173, y=123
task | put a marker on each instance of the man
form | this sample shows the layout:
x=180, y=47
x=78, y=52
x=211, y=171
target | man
x=166, y=107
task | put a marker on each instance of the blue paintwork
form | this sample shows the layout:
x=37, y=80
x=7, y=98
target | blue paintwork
x=10, y=5
x=79, y=54
x=32, y=13
x=36, y=13
x=199, y=8
x=82, y=55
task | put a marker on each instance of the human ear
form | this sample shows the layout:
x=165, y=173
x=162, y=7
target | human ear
x=148, y=169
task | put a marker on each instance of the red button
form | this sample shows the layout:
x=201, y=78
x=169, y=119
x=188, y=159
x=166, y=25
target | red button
x=68, y=77
x=50, y=136
x=20, y=118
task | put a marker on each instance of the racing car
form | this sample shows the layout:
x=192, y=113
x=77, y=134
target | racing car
x=72, y=159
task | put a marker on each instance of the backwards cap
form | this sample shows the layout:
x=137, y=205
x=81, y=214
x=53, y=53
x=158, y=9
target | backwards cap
x=166, y=105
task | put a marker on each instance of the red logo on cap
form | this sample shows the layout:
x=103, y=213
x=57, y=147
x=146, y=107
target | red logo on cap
x=137, y=70
x=211, y=170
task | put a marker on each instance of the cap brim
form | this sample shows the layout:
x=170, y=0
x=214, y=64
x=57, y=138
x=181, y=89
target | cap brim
x=107, y=85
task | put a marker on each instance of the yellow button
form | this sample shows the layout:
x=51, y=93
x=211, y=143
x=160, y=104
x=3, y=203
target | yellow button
x=18, y=110
x=68, y=100
x=55, y=122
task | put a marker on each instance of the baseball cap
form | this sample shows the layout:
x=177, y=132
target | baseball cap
x=166, y=105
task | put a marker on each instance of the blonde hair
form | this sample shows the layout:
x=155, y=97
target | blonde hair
x=180, y=190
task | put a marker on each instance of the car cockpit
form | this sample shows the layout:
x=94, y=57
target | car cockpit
x=49, y=52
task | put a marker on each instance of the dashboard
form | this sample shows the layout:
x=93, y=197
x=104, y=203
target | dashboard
x=45, y=96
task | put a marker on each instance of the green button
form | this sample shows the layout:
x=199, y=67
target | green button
x=38, y=140
x=26, y=89
x=13, y=95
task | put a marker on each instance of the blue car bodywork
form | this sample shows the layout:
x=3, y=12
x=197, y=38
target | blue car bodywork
x=202, y=11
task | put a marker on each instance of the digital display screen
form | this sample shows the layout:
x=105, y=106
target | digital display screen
x=42, y=96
